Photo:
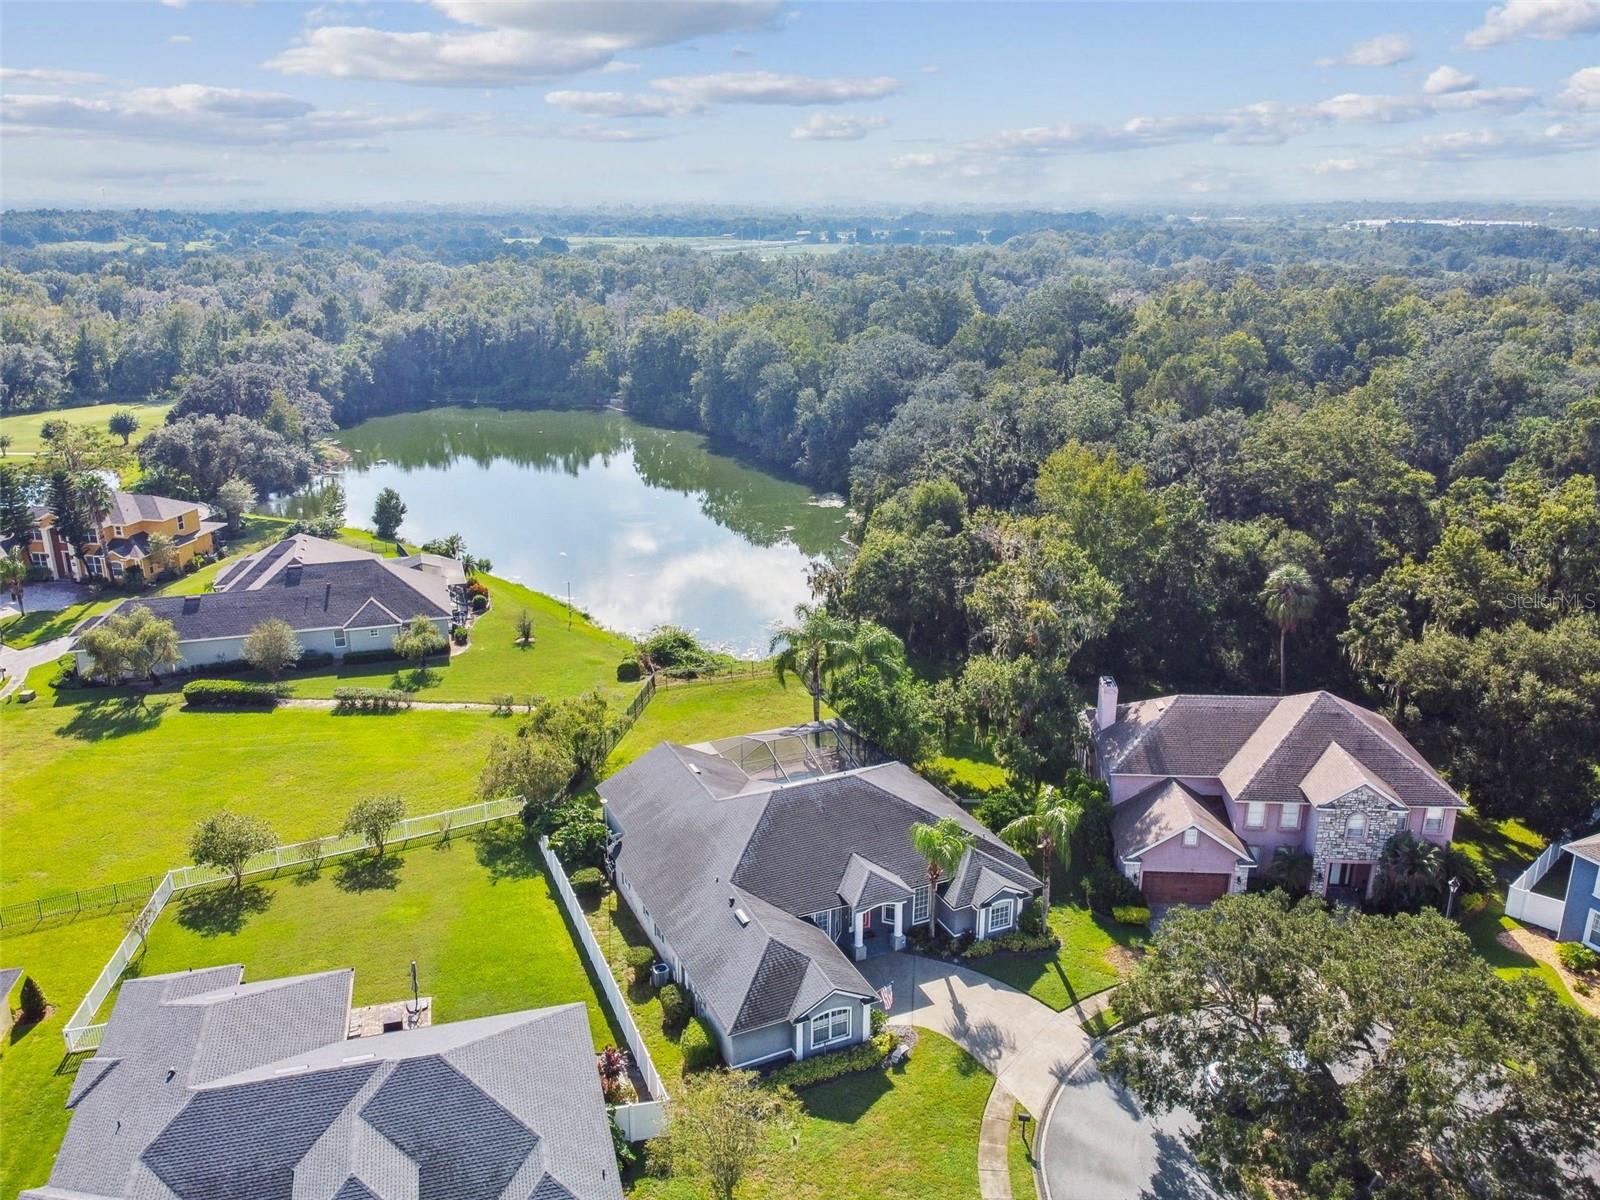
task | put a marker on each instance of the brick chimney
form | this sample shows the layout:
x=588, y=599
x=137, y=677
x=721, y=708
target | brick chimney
x=1105, y=709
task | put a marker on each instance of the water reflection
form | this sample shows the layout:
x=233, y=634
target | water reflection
x=647, y=525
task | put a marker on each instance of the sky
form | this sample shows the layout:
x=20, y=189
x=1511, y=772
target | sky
x=538, y=103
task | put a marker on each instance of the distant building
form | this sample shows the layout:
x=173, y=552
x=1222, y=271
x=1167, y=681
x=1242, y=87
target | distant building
x=336, y=598
x=122, y=538
x=206, y=1087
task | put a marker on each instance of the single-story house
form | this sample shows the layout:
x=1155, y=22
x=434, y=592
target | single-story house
x=336, y=598
x=1580, y=910
x=1206, y=789
x=121, y=539
x=205, y=1087
x=764, y=867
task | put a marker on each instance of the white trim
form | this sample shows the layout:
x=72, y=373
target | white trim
x=1429, y=819
x=1284, y=811
x=1011, y=915
x=1134, y=854
x=753, y=1062
x=1251, y=808
x=1591, y=935
x=924, y=895
x=829, y=1016
x=1355, y=816
x=1191, y=837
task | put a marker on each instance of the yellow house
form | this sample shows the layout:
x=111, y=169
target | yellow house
x=123, y=538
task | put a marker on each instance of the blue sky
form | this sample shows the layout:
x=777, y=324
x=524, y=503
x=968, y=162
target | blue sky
x=526, y=103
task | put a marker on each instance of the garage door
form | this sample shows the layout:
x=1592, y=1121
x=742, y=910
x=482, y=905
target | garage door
x=1182, y=887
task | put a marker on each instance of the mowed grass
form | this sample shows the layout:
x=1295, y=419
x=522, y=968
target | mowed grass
x=23, y=428
x=476, y=912
x=704, y=711
x=32, y=628
x=35, y=1073
x=99, y=788
x=1019, y=1156
x=909, y=1133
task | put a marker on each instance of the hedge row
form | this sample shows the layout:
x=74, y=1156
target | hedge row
x=230, y=693
x=1017, y=943
x=356, y=657
x=811, y=1071
x=699, y=1048
x=361, y=699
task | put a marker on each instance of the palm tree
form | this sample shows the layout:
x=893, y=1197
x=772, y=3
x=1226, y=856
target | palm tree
x=13, y=574
x=813, y=648
x=874, y=648
x=1290, y=597
x=942, y=845
x=1048, y=828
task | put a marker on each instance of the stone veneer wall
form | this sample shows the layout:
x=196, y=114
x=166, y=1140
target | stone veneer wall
x=1331, y=843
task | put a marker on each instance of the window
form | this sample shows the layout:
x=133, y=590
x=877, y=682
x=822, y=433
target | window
x=116, y=531
x=36, y=534
x=1255, y=815
x=39, y=560
x=339, y=638
x=1591, y=936
x=180, y=522
x=1191, y=837
x=97, y=565
x=1289, y=817
x=1433, y=821
x=1256, y=852
x=919, y=905
x=1000, y=914
x=116, y=569
x=1355, y=825
x=829, y=1027
x=824, y=921
x=372, y=633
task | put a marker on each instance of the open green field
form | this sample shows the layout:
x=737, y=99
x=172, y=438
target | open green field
x=101, y=788
x=23, y=428
x=908, y=1133
x=703, y=711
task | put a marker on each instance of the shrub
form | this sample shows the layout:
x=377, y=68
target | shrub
x=1131, y=914
x=588, y=881
x=1577, y=958
x=1001, y=807
x=809, y=1072
x=32, y=1001
x=382, y=654
x=229, y=693
x=981, y=948
x=699, y=1048
x=1031, y=919
x=476, y=587
x=878, y=1020
x=1471, y=904
x=674, y=1008
x=639, y=959
x=480, y=603
x=360, y=699
x=629, y=671
x=1106, y=887
x=578, y=835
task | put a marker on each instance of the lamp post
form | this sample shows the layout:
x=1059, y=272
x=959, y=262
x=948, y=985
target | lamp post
x=1450, y=904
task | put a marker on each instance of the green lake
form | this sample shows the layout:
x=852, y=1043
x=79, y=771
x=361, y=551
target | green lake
x=647, y=526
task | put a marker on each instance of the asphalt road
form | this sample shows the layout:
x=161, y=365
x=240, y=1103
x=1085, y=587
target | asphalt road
x=1098, y=1145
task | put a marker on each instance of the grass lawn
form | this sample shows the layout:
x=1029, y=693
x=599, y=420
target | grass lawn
x=31, y=628
x=1505, y=847
x=99, y=788
x=1082, y=966
x=968, y=767
x=1019, y=1156
x=909, y=1133
x=1483, y=929
x=23, y=428
x=616, y=930
x=701, y=712
x=35, y=1074
x=476, y=912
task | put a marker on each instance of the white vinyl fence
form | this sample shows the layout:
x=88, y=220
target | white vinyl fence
x=647, y=1118
x=82, y=1034
x=1526, y=905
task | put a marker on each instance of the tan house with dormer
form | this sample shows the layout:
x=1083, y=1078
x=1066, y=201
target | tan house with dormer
x=123, y=539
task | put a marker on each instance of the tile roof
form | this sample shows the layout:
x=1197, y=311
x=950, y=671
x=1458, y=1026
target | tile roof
x=1262, y=748
x=1161, y=812
x=698, y=832
x=206, y=1088
x=309, y=583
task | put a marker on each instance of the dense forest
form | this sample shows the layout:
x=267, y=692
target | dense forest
x=1170, y=450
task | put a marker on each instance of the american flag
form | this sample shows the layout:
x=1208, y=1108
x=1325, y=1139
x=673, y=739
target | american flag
x=886, y=997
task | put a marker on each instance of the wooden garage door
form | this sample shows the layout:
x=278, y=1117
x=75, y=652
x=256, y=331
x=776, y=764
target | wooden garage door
x=1182, y=887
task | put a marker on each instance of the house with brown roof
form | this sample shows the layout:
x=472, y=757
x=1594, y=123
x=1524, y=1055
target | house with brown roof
x=1207, y=789
x=121, y=541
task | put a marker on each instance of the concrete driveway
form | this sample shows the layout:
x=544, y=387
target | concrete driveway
x=50, y=595
x=15, y=664
x=1096, y=1144
x=1028, y=1046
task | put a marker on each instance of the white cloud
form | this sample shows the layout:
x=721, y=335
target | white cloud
x=1343, y=166
x=179, y=39
x=1544, y=19
x=618, y=67
x=1448, y=79
x=514, y=42
x=835, y=127
x=197, y=113
x=1582, y=90
x=1476, y=144
x=621, y=104
x=766, y=87
x=1359, y=106
x=49, y=75
x=607, y=133
x=1382, y=51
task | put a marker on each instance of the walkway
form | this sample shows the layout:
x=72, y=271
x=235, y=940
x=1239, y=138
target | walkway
x=443, y=705
x=1028, y=1046
x=18, y=663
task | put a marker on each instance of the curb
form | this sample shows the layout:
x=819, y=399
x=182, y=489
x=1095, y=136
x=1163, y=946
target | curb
x=1040, y=1177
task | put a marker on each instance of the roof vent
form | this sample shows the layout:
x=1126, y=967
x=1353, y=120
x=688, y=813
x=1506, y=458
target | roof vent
x=741, y=916
x=294, y=1070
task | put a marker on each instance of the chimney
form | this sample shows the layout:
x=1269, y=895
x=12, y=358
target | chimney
x=1105, y=709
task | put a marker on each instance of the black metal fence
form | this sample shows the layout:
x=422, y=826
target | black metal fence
x=70, y=904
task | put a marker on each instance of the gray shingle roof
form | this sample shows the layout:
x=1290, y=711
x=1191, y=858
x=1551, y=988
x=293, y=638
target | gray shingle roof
x=300, y=581
x=469, y=1109
x=1587, y=848
x=697, y=832
x=1161, y=812
x=1262, y=748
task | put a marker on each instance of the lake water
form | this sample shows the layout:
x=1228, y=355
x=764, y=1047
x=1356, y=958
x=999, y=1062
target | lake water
x=648, y=526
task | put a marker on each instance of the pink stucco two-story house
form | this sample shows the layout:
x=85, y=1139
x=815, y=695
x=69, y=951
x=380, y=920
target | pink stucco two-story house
x=1206, y=789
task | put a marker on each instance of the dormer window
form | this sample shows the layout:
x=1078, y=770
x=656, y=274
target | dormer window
x=1191, y=836
x=181, y=519
x=116, y=531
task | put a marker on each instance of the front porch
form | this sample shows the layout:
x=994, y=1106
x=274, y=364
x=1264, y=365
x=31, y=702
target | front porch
x=1349, y=882
x=880, y=929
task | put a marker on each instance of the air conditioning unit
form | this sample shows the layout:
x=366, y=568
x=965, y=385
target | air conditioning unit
x=660, y=975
